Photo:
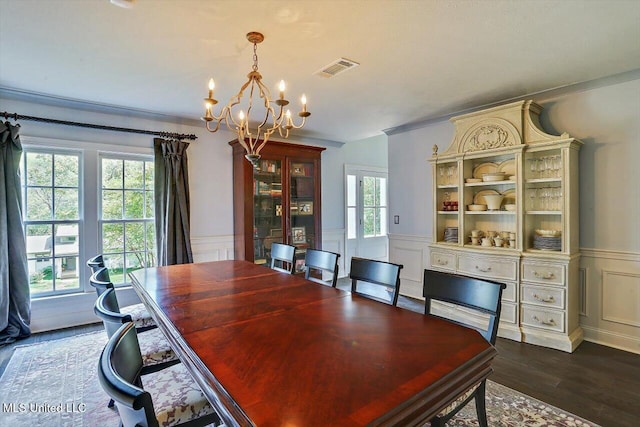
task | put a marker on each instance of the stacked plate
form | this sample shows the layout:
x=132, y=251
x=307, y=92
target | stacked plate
x=451, y=234
x=547, y=243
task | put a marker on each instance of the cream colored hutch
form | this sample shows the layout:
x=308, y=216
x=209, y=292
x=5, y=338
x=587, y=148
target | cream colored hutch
x=506, y=208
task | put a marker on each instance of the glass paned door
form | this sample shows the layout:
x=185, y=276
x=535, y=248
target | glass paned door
x=302, y=210
x=268, y=209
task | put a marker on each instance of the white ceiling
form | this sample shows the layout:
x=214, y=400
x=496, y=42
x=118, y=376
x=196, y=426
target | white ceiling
x=419, y=59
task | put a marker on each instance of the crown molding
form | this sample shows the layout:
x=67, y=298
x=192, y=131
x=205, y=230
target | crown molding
x=539, y=96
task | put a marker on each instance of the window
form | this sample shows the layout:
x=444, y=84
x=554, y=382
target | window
x=52, y=213
x=127, y=227
x=374, y=190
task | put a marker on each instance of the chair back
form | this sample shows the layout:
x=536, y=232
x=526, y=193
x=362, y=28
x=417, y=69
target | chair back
x=107, y=309
x=478, y=294
x=95, y=263
x=323, y=261
x=283, y=257
x=119, y=374
x=376, y=274
x=100, y=280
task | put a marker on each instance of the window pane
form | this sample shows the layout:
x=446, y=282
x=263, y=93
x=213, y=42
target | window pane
x=66, y=171
x=133, y=174
x=383, y=221
x=66, y=240
x=148, y=175
x=383, y=192
x=112, y=173
x=151, y=240
x=134, y=204
x=39, y=203
x=67, y=273
x=112, y=238
x=134, y=236
x=39, y=241
x=111, y=204
x=40, y=275
x=369, y=217
x=351, y=190
x=351, y=223
x=115, y=265
x=135, y=261
x=368, y=190
x=66, y=206
x=39, y=169
x=149, y=205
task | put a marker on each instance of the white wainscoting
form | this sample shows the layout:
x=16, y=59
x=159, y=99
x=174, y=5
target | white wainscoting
x=611, y=298
x=333, y=241
x=212, y=248
x=413, y=253
x=610, y=289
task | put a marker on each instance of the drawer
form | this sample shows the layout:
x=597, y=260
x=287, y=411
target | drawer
x=510, y=293
x=509, y=313
x=551, y=320
x=543, y=296
x=488, y=267
x=443, y=260
x=543, y=273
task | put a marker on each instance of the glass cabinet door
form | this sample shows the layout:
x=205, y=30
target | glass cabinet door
x=302, y=210
x=267, y=207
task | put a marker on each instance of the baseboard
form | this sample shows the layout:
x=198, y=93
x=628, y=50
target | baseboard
x=612, y=339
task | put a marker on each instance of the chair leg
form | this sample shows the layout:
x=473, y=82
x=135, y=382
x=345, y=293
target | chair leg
x=111, y=404
x=481, y=409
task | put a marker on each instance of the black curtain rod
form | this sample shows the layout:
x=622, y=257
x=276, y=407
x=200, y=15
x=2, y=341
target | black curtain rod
x=171, y=135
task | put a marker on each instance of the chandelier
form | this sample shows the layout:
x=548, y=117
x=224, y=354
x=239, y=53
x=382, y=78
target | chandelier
x=254, y=139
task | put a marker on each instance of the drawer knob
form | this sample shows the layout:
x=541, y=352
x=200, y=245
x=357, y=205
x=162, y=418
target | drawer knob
x=548, y=298
x=441, y=262
x=483, y=269
x=549, y=322
x=545, y=276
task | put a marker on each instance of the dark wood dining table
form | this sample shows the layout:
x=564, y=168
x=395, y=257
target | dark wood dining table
x=273, y=349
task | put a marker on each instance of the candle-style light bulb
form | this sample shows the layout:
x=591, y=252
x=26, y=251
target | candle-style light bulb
x=281, y=87
x=212, y=86
x=288, y=114
x=304, y=102
x=241, y=117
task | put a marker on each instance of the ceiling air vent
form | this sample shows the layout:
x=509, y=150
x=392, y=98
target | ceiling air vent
x=336, y=67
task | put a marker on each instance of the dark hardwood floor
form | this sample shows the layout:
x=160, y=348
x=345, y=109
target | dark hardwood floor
x=598, y=383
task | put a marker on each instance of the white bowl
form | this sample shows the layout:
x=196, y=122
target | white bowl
x=493, y=201
x=477, y=207
x=509, y=207
x=470, y=180
x=490, y=177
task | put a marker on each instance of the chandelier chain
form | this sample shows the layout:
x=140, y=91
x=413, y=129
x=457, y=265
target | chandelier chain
x=255, y=57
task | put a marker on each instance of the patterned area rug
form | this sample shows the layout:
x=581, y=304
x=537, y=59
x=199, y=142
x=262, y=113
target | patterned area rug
x=54, y=383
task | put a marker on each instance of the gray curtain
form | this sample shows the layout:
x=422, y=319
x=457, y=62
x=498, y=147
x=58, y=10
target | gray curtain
x=172, y=202
x=15, y=301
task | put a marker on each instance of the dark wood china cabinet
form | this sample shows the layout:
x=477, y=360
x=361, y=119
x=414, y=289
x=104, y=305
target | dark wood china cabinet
x=279, y=201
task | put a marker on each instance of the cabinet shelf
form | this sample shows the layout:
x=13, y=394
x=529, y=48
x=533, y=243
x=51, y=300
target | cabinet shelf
x=448, y=186
x=542, y=180
x=490, y=184
x=489, y=212
x=559, y=213
x=448, y=212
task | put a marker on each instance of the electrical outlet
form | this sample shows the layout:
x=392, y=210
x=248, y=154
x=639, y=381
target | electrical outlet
x=396, y=219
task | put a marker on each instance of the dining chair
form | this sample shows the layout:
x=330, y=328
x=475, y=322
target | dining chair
x=95, y=263
x=101, y=282
x=283, y=257
x=483, y=296
x=154, y=347
x=321, y=261
x=382, y=279
x=169, y=397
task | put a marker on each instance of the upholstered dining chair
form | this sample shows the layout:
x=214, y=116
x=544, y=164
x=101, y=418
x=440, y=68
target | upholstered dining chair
x=169, y=397
x=382, y=279
x=154, y=347
x=101, y=282
x=483, y=296
x=321, y=261
x=283, y=257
